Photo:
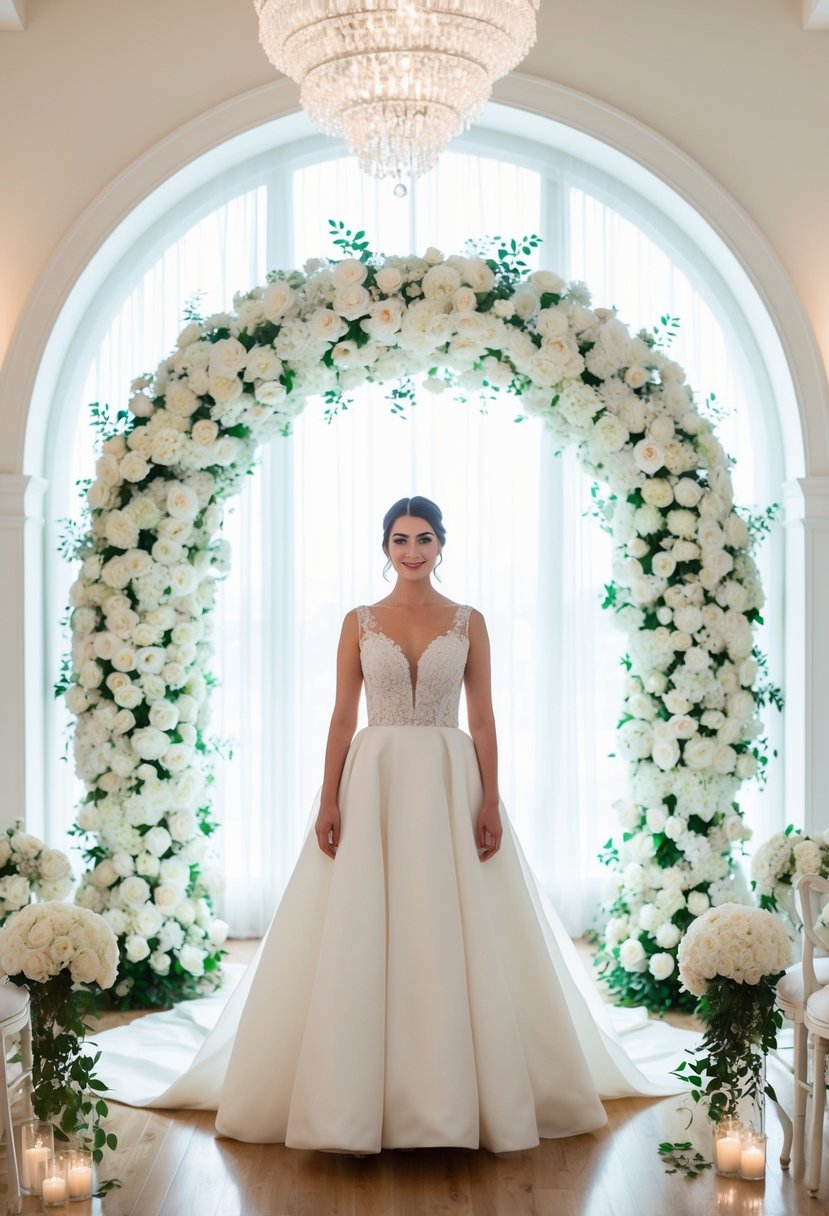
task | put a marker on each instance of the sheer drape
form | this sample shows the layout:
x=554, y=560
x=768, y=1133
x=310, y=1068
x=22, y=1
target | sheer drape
x=306, y=530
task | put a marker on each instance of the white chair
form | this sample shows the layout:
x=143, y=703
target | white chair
x=793, y=991
x=14, y=1020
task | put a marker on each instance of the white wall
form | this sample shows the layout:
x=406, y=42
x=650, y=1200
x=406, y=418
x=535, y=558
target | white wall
x=92, y=85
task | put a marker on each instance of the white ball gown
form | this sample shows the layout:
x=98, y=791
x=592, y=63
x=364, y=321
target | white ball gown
x=406, y=993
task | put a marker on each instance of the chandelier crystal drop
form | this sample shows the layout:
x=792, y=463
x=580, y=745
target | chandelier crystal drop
x=396, y=79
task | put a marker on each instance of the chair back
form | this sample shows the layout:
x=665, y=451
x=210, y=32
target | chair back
x=811, y=892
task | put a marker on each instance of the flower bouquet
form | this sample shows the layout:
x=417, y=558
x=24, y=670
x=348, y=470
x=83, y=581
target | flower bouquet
x=731, y=959
x=27, y=867
x=779, y=860
x=63, y=955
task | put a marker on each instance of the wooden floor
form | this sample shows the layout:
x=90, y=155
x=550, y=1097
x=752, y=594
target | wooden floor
x=172, y=1163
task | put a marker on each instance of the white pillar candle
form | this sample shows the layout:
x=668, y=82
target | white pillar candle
x=729, y=1153
x=33, y=1158
x=54, y=1190
x=753, y=1158
x=80, y=1181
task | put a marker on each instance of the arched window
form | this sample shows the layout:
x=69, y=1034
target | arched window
x=305, y=532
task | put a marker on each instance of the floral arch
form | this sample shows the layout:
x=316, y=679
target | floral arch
x=684, y=584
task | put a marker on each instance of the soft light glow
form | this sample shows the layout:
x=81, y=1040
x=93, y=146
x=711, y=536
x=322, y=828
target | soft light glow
x=396, y=79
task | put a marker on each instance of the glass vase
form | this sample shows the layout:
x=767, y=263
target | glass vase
x=81, y=1174
x=739, y=1148
x=37, y=1146
x=54, y=1186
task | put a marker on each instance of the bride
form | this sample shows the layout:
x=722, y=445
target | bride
x=411, y=990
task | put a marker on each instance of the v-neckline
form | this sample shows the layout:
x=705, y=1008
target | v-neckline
x=414, y=672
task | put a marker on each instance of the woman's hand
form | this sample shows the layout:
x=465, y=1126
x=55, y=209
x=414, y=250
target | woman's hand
x=488, y=832
x=327, y=829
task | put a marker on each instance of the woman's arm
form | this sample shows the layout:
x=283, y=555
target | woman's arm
x=478, y=684
x=340, y=733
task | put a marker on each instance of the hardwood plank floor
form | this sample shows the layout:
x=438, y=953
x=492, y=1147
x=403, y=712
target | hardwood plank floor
x=172, y=1163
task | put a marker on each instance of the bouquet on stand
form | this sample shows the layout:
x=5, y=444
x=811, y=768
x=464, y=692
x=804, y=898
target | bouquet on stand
x=64, y=956
x=731, y=959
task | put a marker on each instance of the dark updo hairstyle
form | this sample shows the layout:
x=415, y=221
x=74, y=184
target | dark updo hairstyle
x=420, y=508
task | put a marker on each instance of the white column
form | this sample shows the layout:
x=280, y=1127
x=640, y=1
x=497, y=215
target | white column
x=807, y=652
x=22, y=675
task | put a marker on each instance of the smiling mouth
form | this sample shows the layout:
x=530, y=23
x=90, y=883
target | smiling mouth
x=413, y=565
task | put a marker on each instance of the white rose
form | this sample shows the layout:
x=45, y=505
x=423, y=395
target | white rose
x=150, y=743
x=136, y=948
x=192, y=959
x=160, y=962
x=698, y=902
x=668, y=935
x=157, y=841
x=205, y=431
x=278, y=301
x=665, y=753
x=182, y=824
x=348, y=272
x=326, y=324
x=389, y=279
x=699, y=752
x=632, y=955
x=687, y=492
x=352, y=302
x=217, y=932
x=182, y=503
x=148, y=920
x=661, y=966
x=134, y=891
x=120, y=530
x=658, y=492
x=649, y=456
x=134, y=467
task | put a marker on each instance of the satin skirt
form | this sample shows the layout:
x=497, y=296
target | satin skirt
x=406, y=994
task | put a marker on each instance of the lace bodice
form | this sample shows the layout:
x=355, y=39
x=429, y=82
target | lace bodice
x=392, y=699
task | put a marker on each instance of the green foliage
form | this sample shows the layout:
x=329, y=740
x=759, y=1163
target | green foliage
x=760, y=523
x=139, y=987
x=664, y=333
x=192, y=312
x=679, y=1158
x=106, y=423
x=351, y=244
x=66, y=1091
x=508, y=260
x=741, y=1024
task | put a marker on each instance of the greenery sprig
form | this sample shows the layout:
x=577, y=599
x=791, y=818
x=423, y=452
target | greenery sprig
x=679, y=1158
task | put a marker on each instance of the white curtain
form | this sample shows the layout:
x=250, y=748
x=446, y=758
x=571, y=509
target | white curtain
x=306, y=530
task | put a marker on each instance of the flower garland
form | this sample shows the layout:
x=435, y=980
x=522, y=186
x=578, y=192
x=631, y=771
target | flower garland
x=28, y=867
x=684, y=584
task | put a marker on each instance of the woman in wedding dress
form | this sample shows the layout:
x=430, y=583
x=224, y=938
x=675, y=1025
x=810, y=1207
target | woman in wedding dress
x=411, y=990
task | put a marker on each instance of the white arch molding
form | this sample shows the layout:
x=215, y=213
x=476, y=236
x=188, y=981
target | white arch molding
x=556, y=116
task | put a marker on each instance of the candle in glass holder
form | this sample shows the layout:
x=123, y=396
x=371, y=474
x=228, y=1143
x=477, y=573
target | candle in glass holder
x=728, y=1147
x=33, y=1159
x=53, y=1189
x=753, y=1157
x=37, y=1147
x=80, y=1175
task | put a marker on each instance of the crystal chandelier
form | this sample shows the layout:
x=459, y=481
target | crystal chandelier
x=396, y=79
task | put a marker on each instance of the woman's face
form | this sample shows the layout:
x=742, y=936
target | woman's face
x=413, y=548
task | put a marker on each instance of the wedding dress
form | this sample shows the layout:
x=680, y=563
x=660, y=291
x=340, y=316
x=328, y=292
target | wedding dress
x=406, y=993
